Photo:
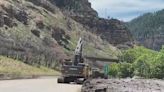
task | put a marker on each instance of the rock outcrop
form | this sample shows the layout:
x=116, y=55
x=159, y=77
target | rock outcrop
x=112, y=30
x=80, y=8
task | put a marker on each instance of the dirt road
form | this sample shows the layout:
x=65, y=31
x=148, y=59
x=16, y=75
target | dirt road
x=47, y=84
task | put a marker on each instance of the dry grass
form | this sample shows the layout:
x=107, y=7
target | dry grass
x=10, y=66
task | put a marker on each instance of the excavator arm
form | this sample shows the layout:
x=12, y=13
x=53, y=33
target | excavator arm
x=78, y=53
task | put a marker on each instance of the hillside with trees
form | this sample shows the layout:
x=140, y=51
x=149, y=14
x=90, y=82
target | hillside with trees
x=148, y=29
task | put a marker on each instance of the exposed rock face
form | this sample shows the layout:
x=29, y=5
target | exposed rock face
x=80, y=8
x=111, y=30
x=155, y=42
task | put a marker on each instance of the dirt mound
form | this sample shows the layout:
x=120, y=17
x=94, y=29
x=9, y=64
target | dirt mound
x=123, y=85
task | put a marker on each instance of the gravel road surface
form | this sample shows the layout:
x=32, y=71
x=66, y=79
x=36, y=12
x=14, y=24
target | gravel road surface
x=47, y=84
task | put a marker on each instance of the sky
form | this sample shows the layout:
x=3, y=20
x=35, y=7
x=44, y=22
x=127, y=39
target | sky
x=126, y=10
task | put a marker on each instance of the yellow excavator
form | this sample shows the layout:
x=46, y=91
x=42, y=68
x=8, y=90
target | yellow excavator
x=76, y=70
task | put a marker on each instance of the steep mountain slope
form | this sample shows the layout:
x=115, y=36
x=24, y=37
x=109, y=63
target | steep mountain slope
x=149, y=29
x=38, y=33
x=111, y=30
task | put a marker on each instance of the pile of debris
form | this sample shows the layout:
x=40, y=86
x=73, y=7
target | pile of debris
x=123, y=85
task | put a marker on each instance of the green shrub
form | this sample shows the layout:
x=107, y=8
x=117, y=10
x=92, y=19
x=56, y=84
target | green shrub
x=126, y=70
x=142, y=66
x=158, y=66
x=122, y=70
x=133, y=54
x=114, y=69
x=139, y=61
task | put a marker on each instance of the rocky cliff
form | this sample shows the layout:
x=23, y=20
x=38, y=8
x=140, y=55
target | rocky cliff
x=80, y=8
x=112, y=30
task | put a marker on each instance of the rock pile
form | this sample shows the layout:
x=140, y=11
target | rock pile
x=123, y=85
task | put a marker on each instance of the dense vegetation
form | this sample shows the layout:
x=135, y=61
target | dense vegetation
x=139, y=61
x=148, y=29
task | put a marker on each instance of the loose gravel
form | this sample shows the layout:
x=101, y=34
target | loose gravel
x=123, y=85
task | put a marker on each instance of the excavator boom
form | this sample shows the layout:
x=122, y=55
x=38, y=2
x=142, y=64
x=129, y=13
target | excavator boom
x=78, y=52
